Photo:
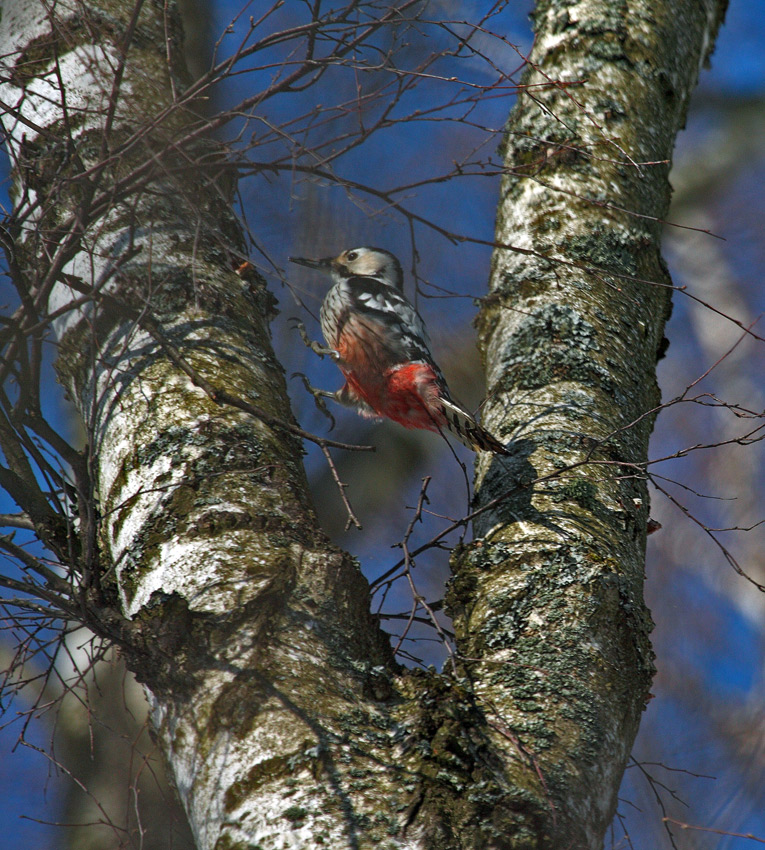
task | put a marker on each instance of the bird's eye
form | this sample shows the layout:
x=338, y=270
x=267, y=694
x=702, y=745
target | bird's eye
x=352, y=255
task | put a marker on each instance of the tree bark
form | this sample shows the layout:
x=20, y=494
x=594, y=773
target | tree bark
x=284, y=719
x=549, y=596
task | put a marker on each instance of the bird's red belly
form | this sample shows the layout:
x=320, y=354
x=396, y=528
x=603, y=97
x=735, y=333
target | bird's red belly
x=407, y=394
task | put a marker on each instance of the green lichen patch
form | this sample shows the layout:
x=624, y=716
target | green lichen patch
x=225, y=842
x=607, y=248
x=555, y=344
x=294, y=814
x=580, y=490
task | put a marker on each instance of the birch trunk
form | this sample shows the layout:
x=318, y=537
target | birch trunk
x=570, y=335
x=283, y=718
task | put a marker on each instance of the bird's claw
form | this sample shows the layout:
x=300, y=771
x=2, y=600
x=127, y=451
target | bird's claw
x=316, y=347
x=318, y=397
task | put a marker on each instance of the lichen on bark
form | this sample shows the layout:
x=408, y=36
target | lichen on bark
x=548, y=598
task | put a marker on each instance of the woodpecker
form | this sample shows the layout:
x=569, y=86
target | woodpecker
x=379, y=342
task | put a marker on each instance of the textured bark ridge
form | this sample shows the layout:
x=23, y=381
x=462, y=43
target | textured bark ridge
x=549, y=597
x=282, y=716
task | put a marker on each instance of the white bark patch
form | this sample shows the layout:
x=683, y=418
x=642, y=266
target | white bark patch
x=193, y=569
x=20, y=24
x=96, y=267
x=234, y=785
x=86, y=95
x=138, y=486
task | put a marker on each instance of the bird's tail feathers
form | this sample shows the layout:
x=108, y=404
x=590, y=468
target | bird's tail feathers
x=468, y=431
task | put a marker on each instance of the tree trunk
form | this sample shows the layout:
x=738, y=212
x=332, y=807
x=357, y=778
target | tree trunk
x=284, y=719
x=550, y=594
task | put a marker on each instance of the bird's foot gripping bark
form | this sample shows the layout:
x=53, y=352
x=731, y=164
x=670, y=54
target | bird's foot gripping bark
x=318, y=397
x=316, y=347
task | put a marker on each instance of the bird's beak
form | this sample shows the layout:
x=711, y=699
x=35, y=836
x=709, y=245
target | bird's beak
x=324, y=265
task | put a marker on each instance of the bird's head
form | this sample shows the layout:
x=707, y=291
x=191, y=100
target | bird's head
x=359, y=262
